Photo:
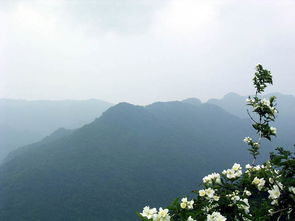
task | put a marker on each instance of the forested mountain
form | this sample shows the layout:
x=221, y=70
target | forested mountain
x=130, y=157
x=23, y=122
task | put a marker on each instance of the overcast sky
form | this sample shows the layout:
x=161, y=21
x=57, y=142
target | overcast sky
x=141, y=51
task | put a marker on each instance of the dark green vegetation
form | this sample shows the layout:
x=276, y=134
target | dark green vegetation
x=130, y=157
x=24, y=122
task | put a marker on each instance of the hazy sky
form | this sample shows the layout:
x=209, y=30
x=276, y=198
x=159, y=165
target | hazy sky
x=143, y=51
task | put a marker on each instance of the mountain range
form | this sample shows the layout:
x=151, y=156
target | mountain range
x=23, y=122
x=129, y=157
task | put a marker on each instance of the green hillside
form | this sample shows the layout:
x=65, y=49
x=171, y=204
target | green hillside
x=129, y=157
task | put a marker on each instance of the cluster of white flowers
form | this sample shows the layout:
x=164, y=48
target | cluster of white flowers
x=215, y=216
x=266, y=102
x=212, y=177
x=258, y=182
x=253, y=168
x=228, y=192
x=234, y=196
x=185, y=204
x=162, y=215
x=247, y=140
x=234, y=172
x=250, y=100
x=209, y=193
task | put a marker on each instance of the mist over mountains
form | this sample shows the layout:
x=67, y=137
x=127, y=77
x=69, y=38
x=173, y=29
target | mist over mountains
x=129, y=157
x=23, y=122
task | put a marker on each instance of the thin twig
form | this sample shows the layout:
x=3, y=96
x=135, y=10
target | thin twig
x=278, y=211
x=251, y=117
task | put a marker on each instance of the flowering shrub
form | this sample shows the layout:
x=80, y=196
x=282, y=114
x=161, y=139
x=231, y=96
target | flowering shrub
x=256, y=192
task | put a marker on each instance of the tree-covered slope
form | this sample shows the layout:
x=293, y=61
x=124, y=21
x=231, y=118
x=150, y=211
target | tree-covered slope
x=129, y=157
x=23, y=122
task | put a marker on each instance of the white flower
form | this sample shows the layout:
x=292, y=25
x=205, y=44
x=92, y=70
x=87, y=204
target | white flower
x=233, y=173
x=148, y=213
x=183, y=203
x=292, y=189
x=162, y=215
x=235, y=198
x=247, y=140
x=273, y=130
x=258, y=167
x=247, y=192
x=212, y=177
x=265, y=102
x=250, y=100
x=210, y=192
x=274, y=193
x=236, y=167
x=238, y=173
x=258, y=182
x=248, y=166
x=215, y=216
x=190, y=204
x=246, y=207
x=216, y=198
x=186, y=204
x=202, y=192
x=230, y=173
x=191, y=219
x=271, y=180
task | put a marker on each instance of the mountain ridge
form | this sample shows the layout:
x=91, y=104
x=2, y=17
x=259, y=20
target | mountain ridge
x=129, y=157
x=130, y=154
x=31, y=121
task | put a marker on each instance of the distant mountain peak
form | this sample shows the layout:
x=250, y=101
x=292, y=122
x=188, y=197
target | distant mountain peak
x=193, y=100
x=122, y=106
x=232, y=95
